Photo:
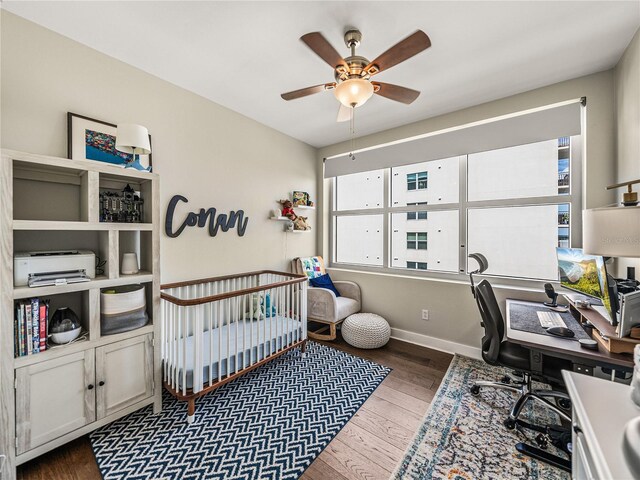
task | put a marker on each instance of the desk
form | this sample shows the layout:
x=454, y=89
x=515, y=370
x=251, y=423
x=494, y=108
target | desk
x=583, y=360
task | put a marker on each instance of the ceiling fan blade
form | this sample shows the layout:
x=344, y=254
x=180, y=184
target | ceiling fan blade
x=395, y=92
x=303, y=92
x=316, y=42
x=344, y=114
x=400, y=52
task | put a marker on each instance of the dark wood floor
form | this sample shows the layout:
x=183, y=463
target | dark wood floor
x=368, y=448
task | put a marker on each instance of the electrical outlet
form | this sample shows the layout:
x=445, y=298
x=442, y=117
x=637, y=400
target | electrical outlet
x=425, y=314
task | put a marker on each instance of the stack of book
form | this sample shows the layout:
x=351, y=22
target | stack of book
x=31, y=326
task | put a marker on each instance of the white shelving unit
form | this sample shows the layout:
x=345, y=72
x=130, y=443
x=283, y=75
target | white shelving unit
x=52, y=397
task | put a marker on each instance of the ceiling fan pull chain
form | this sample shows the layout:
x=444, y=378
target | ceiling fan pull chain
x=352, y=126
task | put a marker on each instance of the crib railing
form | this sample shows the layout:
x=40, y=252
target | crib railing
x=215, y=329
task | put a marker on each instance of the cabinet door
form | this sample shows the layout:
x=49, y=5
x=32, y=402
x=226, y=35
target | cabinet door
x=53, y=398
x=124, y=374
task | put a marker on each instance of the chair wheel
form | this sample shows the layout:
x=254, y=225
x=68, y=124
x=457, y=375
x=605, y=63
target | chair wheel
x=475, y=390
x=510, y=423
x=564, y=403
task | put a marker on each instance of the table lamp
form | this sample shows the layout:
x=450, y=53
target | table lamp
x=133, y=139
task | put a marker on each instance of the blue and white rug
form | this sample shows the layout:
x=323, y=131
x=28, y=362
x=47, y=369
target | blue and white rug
x=462, y=436
x=268, y=424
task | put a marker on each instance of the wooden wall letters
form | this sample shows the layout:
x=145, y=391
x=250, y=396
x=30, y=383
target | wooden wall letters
x=210, y=216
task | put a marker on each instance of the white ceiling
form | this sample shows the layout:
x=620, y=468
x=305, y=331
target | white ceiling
x=244, y=54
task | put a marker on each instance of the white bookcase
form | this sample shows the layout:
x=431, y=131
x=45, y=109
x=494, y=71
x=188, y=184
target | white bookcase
x=52, y=397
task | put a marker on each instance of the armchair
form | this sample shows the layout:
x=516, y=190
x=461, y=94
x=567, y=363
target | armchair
x=322, y=304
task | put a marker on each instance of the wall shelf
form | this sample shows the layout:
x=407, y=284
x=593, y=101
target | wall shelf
x=279, y=219
x=78, y=226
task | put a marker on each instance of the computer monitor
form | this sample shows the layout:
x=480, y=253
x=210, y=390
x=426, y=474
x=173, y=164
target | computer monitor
x=585, y=274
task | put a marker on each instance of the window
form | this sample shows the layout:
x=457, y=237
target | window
x=514, y=205
x=416, y=241
x=417, y=215
x=417, y=181
x=416, y=265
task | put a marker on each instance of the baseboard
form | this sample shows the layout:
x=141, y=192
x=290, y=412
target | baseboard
x=436, y=343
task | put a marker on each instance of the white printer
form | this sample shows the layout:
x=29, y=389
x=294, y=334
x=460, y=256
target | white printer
x=53, y=267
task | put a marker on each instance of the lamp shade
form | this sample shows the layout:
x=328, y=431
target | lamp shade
x=133, y=139
x=353, y=92
x=611, y=232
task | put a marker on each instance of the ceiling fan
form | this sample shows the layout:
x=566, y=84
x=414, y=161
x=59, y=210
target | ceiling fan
x=353, y=85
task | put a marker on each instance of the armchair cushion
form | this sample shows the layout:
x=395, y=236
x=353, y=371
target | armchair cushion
x=324, y=281
x=346, y=306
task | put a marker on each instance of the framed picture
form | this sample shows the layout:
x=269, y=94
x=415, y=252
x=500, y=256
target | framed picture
x=300, y=199
x=91, y=139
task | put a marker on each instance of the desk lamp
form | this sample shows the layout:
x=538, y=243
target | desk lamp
x=615, y=232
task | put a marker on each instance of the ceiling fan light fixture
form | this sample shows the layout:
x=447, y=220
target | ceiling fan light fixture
x=353, y=92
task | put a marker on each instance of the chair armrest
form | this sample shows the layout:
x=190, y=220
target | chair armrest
x=348, y=289
x=321, y=305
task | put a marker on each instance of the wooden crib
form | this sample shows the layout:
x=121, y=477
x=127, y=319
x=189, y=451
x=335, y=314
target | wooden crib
x=216, y=329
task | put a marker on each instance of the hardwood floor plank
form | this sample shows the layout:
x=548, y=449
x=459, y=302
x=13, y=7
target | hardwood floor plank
x=390, y=411
x=370, y=446
x=425, y=381
x=352, y=464
x=379, y=426
x=408, y=402
x=417, y=391
x=320, y=470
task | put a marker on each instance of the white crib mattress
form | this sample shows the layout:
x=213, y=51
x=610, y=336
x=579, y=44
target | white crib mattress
x=266, y=335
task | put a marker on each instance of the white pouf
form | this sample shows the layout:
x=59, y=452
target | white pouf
x=366, y=330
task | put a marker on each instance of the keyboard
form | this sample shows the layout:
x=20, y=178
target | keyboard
x=550, y=319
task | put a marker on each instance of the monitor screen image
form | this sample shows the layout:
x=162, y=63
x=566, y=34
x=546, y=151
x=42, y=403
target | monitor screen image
x=584, y=274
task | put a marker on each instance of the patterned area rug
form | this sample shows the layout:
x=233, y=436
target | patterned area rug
x=268, y=424
x=462, y=437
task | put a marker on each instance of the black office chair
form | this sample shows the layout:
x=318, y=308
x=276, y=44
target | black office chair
x=496, y=351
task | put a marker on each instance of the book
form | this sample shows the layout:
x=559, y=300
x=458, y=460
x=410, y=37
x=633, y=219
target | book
x=16, y=332
x=28, y=327
x=35, y=325
x=44, y=320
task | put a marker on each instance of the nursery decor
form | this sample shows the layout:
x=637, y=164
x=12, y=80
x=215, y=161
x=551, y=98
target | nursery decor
x=300, y=223
x=216, y=221
x=121, y=207
x=271, y=423
x=458, y=424
x=287, y=209
x=91, y=139
x=300, y=199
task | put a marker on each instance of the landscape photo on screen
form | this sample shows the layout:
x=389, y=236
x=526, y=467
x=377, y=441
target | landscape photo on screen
x=583, y=273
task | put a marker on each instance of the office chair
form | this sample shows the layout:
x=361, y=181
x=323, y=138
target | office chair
x=498, y=352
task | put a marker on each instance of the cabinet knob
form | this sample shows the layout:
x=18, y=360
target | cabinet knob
x=90, y=387
x=101, y=383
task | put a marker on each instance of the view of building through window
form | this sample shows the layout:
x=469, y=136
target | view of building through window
x=515, y=210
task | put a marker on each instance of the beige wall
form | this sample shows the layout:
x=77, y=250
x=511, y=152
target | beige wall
x=211, y=155
x=627, y=98
x=453, y=314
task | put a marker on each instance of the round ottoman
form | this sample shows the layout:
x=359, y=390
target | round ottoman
x=366, y=330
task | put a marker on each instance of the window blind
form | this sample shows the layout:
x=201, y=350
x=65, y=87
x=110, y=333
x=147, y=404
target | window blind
x=535, y=125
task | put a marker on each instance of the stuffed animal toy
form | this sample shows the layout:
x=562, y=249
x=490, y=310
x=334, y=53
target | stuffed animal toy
x=300, y=223
x=287, y=209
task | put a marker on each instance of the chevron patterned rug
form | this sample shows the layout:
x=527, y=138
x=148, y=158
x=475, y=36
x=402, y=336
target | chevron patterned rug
x=462, y=436
x=268, y=424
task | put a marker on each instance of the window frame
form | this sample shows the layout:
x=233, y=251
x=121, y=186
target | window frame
x=574, y=198
x=417, y=181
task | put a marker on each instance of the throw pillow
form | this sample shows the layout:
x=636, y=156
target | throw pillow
x=324, y=281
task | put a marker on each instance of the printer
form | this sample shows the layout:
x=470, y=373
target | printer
x=58, y=267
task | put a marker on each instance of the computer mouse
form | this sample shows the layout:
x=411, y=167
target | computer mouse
x=560, y=331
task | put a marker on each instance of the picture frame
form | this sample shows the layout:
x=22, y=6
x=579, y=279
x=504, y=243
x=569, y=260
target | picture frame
x=300, y=199
x=92, y=139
